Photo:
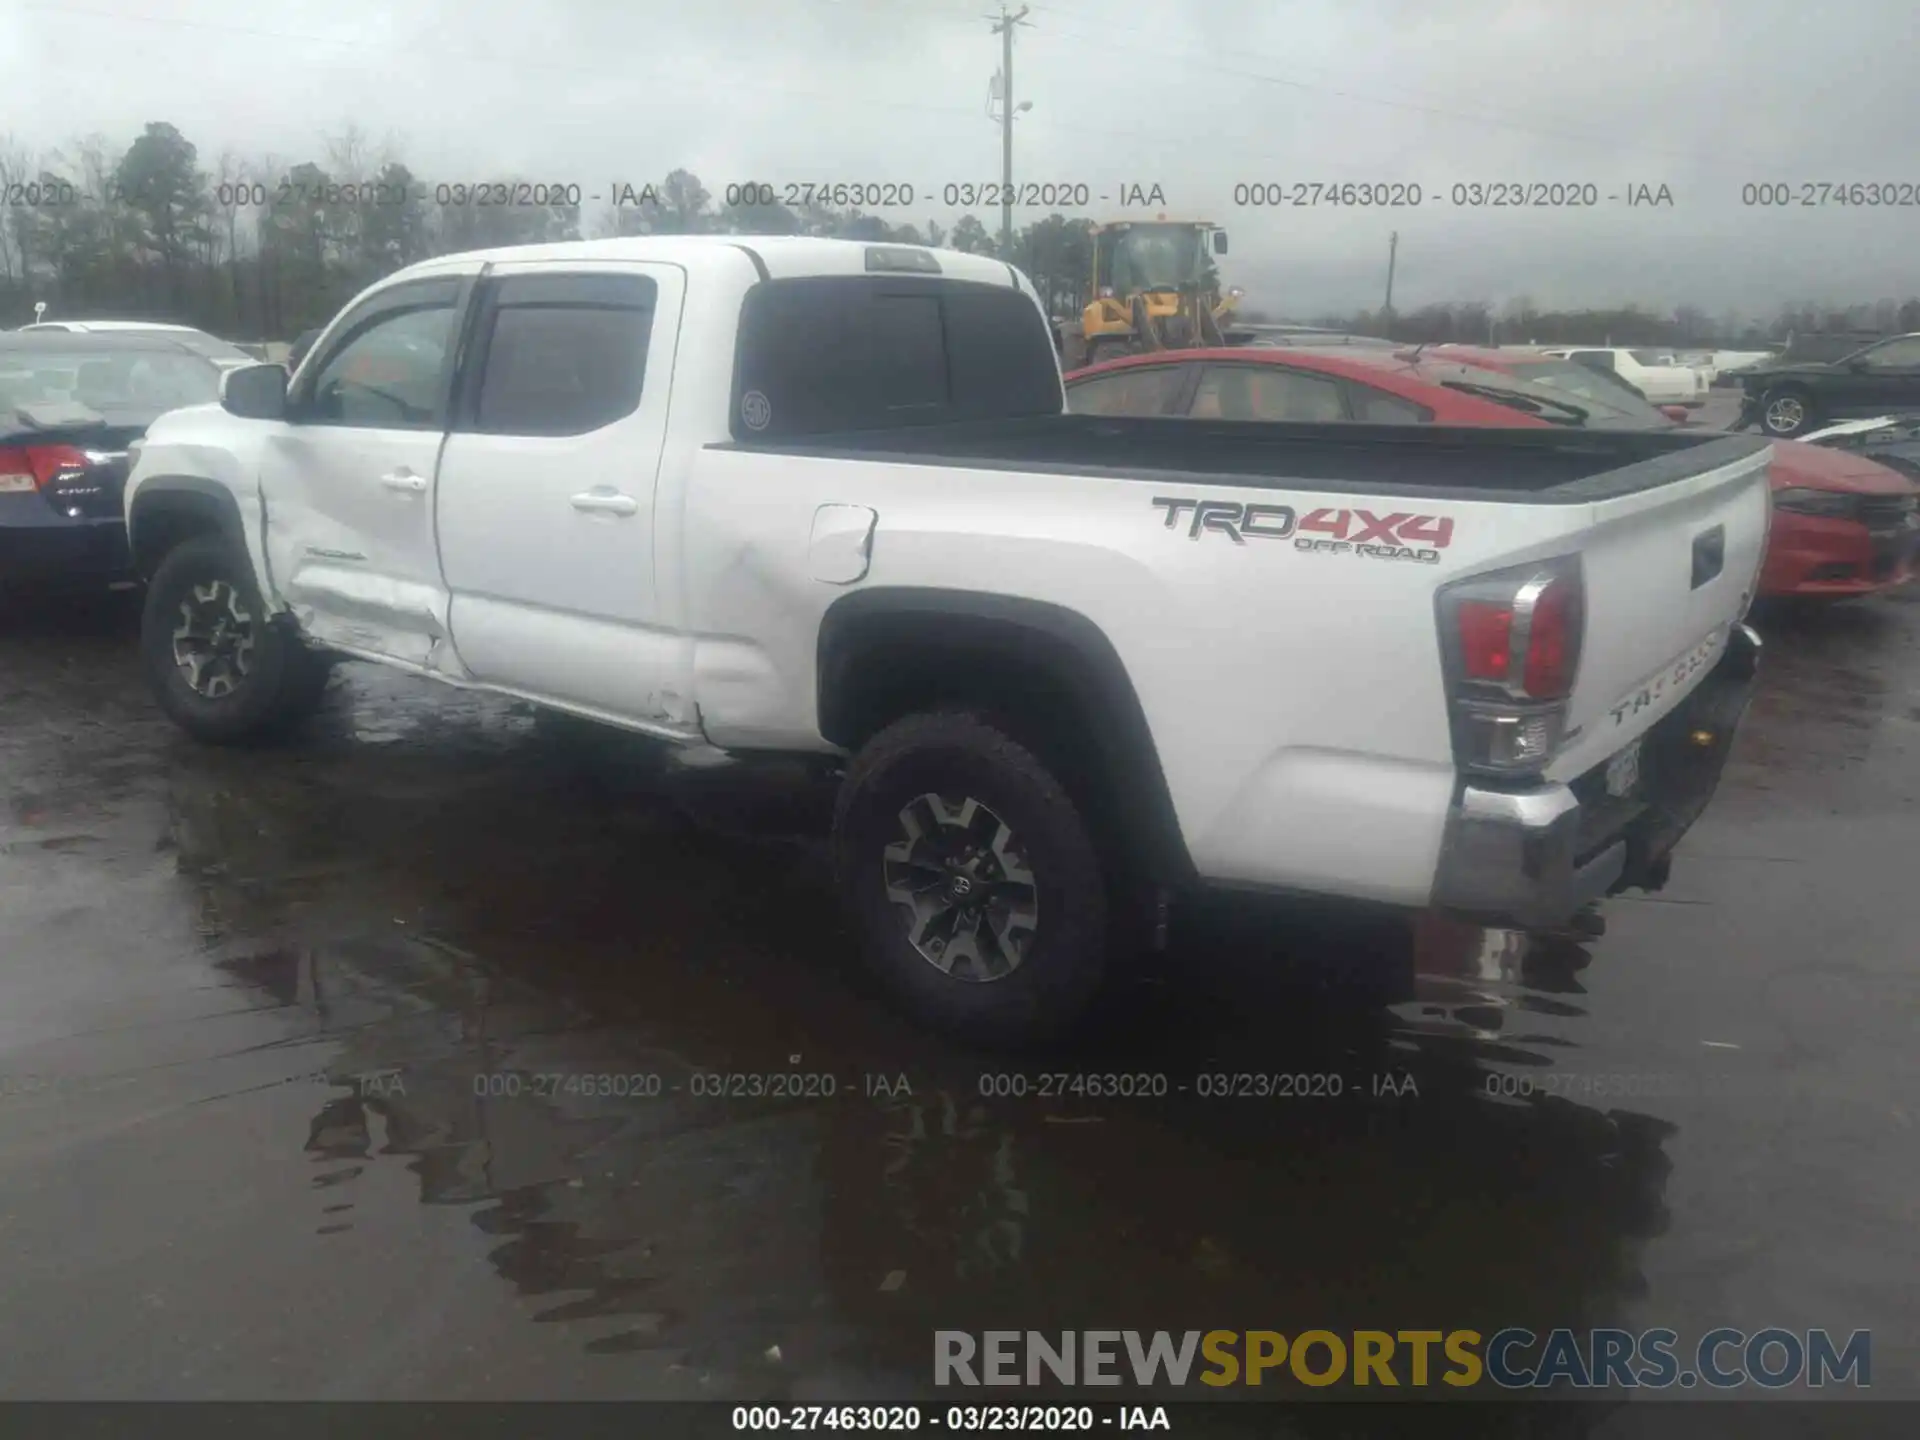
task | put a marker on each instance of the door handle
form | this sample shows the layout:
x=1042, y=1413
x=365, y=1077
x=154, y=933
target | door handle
x=404, y=480
x=605, y=502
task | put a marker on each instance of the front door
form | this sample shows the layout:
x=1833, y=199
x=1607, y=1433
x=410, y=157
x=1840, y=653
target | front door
x=347, y=482
x=546, y=501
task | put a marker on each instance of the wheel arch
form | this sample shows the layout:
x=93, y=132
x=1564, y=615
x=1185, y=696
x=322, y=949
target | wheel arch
x=169, y=509
x=886, y=652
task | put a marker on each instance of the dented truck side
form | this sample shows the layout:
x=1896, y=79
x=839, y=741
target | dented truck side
x=820, y=497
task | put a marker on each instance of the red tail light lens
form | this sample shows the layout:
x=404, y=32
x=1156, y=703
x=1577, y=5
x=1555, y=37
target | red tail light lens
x=1551, y=642
x=1486, y=638
x=1510, y=648
x=1487, y=641
x=30, y=467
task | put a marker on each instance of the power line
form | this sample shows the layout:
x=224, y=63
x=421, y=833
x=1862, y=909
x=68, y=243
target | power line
x=706, y=87
x=516, y=62
x=1496, y=121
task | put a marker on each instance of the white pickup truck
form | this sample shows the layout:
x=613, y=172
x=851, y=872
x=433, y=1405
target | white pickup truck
x=822, y=497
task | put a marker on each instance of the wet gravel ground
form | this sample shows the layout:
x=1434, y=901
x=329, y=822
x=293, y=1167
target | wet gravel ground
x=329, y=1071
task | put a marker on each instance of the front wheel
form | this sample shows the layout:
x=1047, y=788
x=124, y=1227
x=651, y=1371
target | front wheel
x=1787, y=412
x=974, y=882
x=223, y=669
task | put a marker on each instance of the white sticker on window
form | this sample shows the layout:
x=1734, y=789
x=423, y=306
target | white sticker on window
x=756, y=410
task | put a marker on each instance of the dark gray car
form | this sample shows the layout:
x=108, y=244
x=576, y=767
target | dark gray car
x=1790, y=397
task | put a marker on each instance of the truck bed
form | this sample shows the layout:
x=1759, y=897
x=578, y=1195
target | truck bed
x=1468, y=463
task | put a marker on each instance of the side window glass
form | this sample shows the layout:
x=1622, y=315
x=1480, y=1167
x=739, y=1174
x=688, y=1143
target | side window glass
x=1903, y=354
x=388, y=376
x=562, y=369
x=1144, y=390
x=1267, y=392
x=1377, y=407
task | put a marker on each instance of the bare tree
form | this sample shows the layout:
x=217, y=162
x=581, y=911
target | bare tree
x=18, y=166
x=350, y=165
x=235, y=194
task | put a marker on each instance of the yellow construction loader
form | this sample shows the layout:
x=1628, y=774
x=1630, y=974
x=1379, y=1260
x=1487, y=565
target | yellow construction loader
x=1153, y=288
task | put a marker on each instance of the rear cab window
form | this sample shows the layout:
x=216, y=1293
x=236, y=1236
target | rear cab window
x=823, y=354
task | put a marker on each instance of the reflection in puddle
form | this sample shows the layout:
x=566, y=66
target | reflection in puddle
x=504, y=938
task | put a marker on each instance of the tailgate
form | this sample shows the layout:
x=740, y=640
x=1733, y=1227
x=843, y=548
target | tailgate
x=1669, y=571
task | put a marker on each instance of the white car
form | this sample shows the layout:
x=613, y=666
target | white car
x=221, y=352
x=1662, y=383
x=822, y=498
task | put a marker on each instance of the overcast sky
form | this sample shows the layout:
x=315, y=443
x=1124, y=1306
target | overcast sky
x=1195, y=95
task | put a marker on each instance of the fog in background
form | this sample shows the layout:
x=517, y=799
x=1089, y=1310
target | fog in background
x=1195, y=95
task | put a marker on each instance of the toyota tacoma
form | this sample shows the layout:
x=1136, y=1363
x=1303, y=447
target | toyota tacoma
x=822, y=497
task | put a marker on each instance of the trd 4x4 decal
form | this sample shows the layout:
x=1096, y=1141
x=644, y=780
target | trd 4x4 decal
x=1398, y=536
x=1230, y=518
x=1377, y=537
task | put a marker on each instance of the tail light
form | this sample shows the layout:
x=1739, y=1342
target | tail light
x=33, y=467
x=1510, y=648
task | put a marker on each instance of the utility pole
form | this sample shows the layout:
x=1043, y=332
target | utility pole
x=1004, y=29
x=1393, y=246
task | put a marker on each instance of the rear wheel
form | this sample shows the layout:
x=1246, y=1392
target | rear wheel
x=221, y=667
x=1103, y=350
x=973, y=879
x=1787, y=412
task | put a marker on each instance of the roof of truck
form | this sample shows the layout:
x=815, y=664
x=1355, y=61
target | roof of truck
x=783, y=255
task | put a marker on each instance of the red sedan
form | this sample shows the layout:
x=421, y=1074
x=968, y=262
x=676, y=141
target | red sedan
x=1363, y=383
x=1842, y=525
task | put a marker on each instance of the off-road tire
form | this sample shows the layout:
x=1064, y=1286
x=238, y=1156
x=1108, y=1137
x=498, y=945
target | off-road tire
x=961, y=755
x=284, y=680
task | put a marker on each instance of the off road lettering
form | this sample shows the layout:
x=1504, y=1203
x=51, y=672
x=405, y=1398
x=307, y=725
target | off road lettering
x=1399, y=552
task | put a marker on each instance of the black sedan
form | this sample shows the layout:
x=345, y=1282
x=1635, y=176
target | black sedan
x=70, y=405
x=1788, y=398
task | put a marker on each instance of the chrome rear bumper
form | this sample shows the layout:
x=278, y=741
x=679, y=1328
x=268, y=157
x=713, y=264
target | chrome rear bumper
x=1532, y=857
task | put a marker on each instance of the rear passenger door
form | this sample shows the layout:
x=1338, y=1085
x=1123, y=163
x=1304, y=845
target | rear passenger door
x=546, y=493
